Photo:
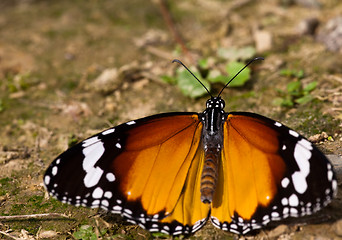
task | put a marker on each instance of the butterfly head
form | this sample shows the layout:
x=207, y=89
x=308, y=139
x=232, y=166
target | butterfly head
x=215, y=102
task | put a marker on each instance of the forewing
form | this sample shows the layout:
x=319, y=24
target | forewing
x=139, y=169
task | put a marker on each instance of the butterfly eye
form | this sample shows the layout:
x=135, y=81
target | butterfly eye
x=222, y=103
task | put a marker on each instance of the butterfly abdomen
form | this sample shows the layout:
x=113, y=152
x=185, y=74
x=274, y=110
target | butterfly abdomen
x=209, y=174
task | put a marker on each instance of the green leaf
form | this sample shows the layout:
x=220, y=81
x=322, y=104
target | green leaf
x=234, y=54
x=278, y=101
x=286, y=72
x=85, y=233
x=292, y=73
x=283, y=102
x=189, y=85
x=300, y=74
x=215, y=76
x=311, y=86
x=160, y=235
x=168, y=79
x=287, y=102
x=294, y=87
x=2, y=105
x=234, y=67
x=304, y=99
x=203, y=63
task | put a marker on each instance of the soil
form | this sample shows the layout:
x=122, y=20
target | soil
x=53, y=53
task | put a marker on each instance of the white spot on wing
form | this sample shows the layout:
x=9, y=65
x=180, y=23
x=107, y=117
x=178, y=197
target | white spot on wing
x=293, y=200
x=294, y=212
x=330, y=175
x=110, y=177
x=277, y=124
x=233, y=225
x=285, y=182
x=97, y=193
x=47, y=180
x=334, y=186
x=93, y=177
x=95, y=203
x=108, y=194
x=105, y=203
x=118, y=145
x=117, y=208
x=90, y=141
x=293, y=133
x=131, y=123
x=128, y=211
x=299, y=182
x=302, y=154
x=306, y=143
x=166, y=228
x=179, y=228
x=54, y=170
x=108, y=131
x=215, y=221
x=92, y=154
x=284, y=201
x=198, y=225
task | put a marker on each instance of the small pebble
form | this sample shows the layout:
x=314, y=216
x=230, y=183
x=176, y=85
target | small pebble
x=308, y=26
x=337, y=226
x=331, y=34
x=318, y=137
x=279, y=230
x=47, y=234
x=263, y=40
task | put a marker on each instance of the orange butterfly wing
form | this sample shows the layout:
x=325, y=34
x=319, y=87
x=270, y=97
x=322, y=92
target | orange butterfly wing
x=147, y=170
x=256, y=178
x=169, y=152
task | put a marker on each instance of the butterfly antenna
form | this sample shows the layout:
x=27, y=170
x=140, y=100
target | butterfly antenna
x=254, y=59
x=178, y=61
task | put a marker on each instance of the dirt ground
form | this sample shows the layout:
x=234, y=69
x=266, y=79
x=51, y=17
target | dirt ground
x=52, y=54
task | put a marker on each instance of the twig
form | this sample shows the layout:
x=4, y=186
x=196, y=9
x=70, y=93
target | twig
x=238, y=4
x=8, y=235
x=153, y=78
x=33, y=216
x=336, y=78
x=172, y=28
x=159, y=53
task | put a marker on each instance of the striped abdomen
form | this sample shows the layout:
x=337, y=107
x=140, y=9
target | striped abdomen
x=210, y=174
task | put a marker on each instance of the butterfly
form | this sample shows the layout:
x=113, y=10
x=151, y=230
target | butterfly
x=172, y=172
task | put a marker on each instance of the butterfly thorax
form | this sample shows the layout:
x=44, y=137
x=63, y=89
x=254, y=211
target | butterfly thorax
x=212, y=139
